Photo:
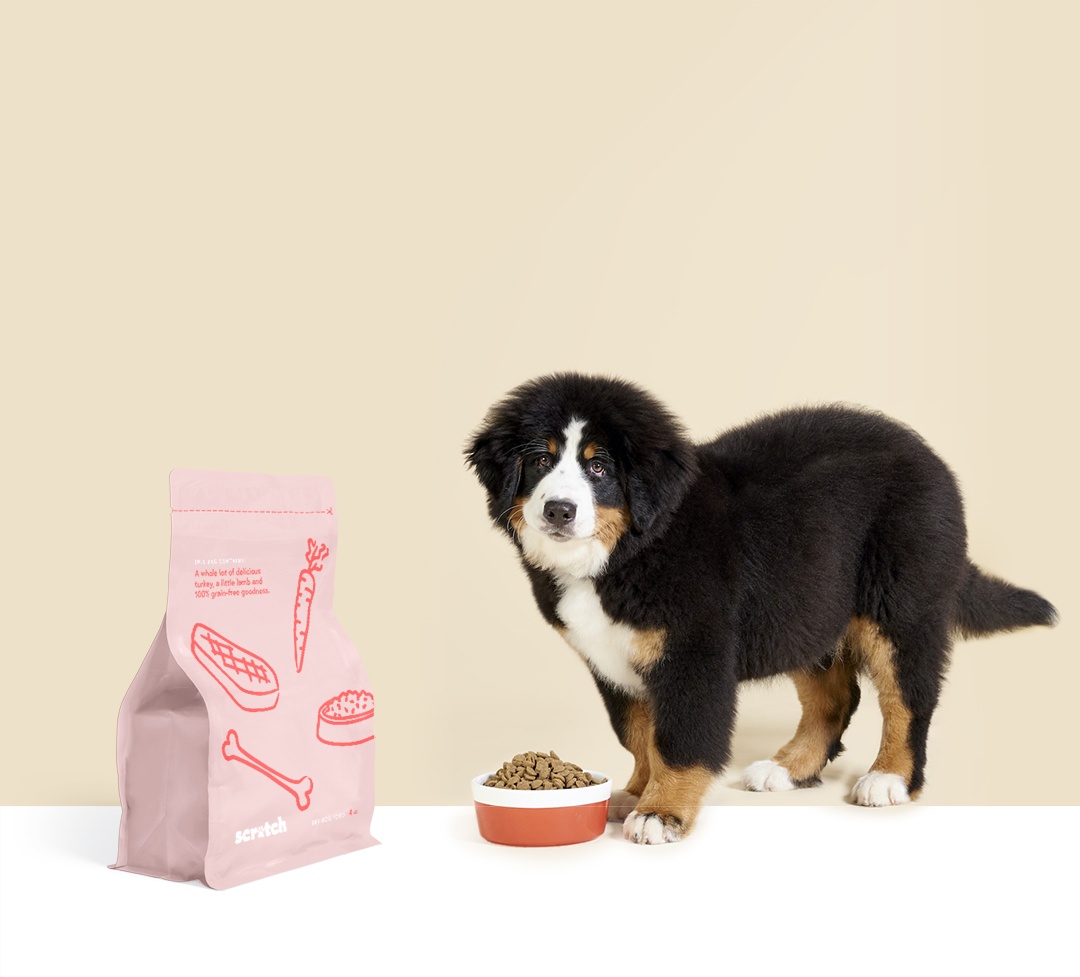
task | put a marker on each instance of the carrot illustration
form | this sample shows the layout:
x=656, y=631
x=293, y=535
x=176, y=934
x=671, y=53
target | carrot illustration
x=305, y=592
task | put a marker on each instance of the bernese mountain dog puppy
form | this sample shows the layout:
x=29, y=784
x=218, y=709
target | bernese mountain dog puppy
x=819, y=542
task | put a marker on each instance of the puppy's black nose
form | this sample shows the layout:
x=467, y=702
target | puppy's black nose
x=560, y=513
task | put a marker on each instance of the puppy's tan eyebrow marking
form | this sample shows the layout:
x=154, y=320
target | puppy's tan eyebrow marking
x=590, y=451
x=552, y=446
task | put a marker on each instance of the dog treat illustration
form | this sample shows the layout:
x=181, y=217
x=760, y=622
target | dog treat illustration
x=305, y=592
x=250, y=680
x=346, y=720
x=300, y=789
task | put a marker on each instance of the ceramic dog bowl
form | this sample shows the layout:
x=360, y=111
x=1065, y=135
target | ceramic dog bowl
x=537, y=818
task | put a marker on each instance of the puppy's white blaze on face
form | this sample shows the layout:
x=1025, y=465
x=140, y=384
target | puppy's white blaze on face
x=566, y=482
x=578, y=553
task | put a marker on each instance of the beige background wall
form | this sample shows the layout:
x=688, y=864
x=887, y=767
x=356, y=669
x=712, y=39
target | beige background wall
x=223, y=222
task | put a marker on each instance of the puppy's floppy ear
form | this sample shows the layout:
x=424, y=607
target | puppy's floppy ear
x=656, y=481
x=499, y=469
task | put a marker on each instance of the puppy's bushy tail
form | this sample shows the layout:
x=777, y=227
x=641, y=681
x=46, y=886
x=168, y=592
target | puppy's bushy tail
x=987, y=604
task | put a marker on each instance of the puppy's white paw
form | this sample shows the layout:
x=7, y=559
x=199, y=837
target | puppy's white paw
x=767, y=775
x=621, y=804
x=880, y=789
x=650, y=829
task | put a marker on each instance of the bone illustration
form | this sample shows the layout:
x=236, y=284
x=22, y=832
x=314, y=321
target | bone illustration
x=300, y=789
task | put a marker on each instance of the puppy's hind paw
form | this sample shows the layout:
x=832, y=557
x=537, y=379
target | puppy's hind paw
x=652, y=829
x=880, y=789
x=621, y=803
x=767, y=775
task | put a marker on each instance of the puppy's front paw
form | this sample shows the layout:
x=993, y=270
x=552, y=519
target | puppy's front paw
x=880, y=789
x=652, y=829
x=767, y=775
x=620, y=805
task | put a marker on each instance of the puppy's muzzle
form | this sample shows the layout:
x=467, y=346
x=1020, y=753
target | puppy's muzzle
x=559, y=515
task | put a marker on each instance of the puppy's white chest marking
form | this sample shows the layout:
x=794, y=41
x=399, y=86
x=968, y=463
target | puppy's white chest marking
x=606, y=645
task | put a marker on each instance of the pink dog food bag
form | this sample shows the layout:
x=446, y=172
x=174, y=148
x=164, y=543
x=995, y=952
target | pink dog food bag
x=245, y=745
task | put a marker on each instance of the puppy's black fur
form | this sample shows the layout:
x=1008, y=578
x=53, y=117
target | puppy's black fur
x=818, y=542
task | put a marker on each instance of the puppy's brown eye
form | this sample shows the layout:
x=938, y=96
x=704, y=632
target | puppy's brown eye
x=542, y=461
x=597, y=468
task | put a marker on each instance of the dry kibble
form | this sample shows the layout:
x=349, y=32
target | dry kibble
x=540, y=771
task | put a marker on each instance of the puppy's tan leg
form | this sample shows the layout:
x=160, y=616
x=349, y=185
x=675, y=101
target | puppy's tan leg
x=829, y=696
x=637, y=736
x=669, y=797
x=889, y=779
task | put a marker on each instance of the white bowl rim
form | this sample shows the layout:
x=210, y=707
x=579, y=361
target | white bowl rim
x=566, y=797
